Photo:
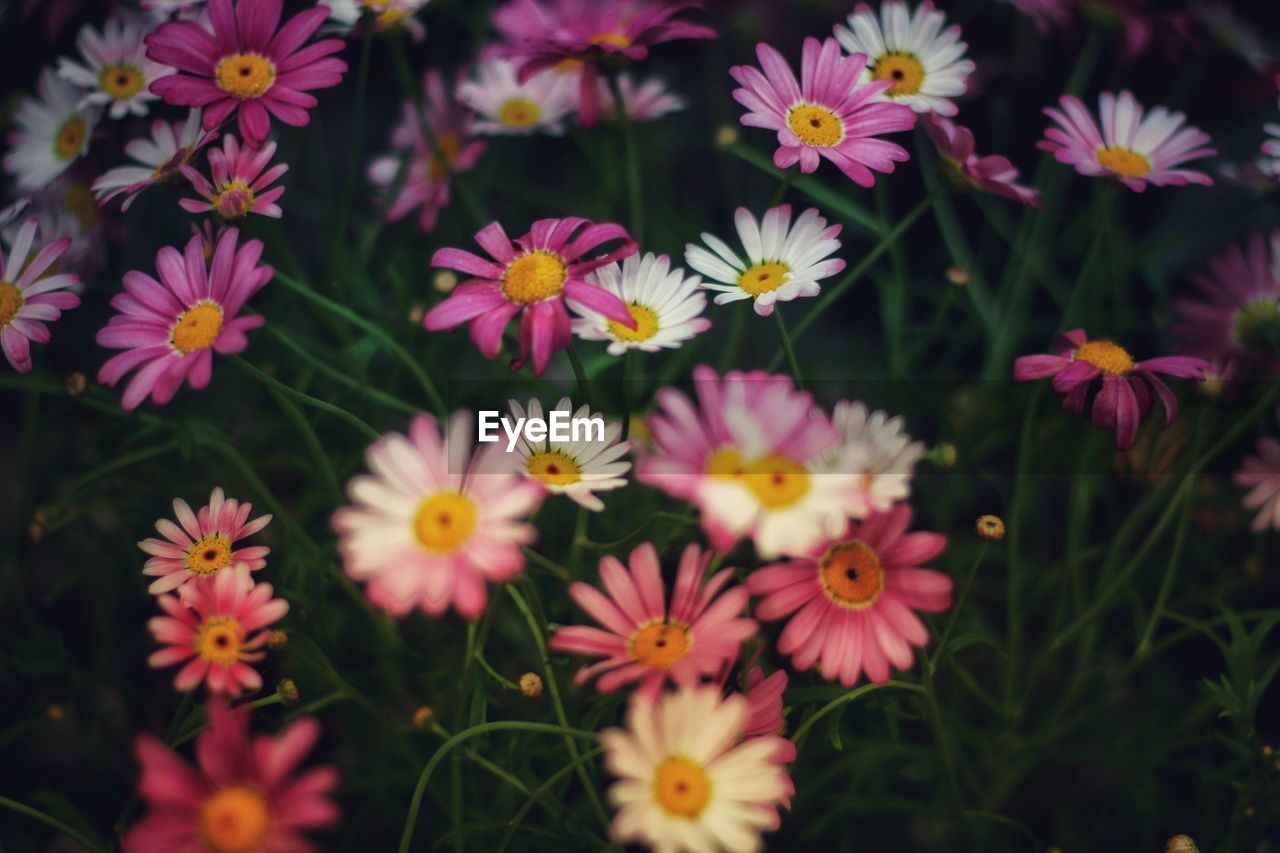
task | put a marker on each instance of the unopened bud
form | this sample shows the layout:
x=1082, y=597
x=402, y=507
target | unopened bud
x=55, y=713
x=531, y=685
x=416, y=313
x=277, y=640
x=944, y=455
x=990, y=527
x=77, y=384
x=444, y=281
x=1181, y=844
x=959, y=276
x=36, y=531
x=288, y=691
x=422, y=718
x=726, y=135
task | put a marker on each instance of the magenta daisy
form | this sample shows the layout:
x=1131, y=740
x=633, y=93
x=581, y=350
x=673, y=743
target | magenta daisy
x=242, y=183
x=1127, y=385
x=247, y=63
x=966, y=170
x=27, y=301
x=170, y=329
x=1260, y=474
x=853, y=598
x=202, y=543
x=1134, y=147
x=159, y=159
x=218, y=627
x=532, y=277
x=647, y=640
x=828, y=114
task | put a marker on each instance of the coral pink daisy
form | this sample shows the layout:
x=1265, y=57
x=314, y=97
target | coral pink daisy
x=827, y=114
x=647, y=640
x=434, y=522
x=1260, y=474
x=966, y=170
x=1126, y=385
x=532, y=277
x=28, y=301
x=853, y=598
x=170, y=329
x=247, y=63
x=241, y=182
x=1133, y=148
x=203, y=544
x=246, y=794
x=218, y=626
x=764, y=720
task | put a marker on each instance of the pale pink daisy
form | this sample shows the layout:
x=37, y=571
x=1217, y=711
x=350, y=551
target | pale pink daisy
x=51, y=131
x=648, y=100
x=1260, y=474
x=434, y=521
x=202, y=543
x=242, y=183
x=877, y=450
x=852, y=598
x=505, y=105
x=1134, y=147
x=967, y=171
x=216, y=627
x=827, y=114
x=647, y=640
x=28, y=301
x=170, y=329
x=115, y=71
x=159, y=159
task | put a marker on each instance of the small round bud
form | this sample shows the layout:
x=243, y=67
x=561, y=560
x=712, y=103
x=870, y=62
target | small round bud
x=1181, y=844
x=990, y=527
x=1267, y=750
x=288, y=691
x=56, y=713
x=531, y=685
x=40, y=516
x=416, y=313
x=277, y=640
x=444, y=281
x=944, y=455
x=36, y=531
x=422, y=718
x=959, y=276
x=1250, y=811
x=77, y=384
x=726, y=135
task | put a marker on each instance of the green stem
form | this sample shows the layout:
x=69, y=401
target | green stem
x=541, y=791
x=628, y=359
x=961, y=598
x=940, y=733
x=305, y=398
x=484, y=664
x=48, y=820
x=337, y=375
x=1166, y=583
x=819, y=189
x=635, y=193
x=580, y=373
x=792, y=363
x=353, y=159
x=835, y=703
x=788, y=178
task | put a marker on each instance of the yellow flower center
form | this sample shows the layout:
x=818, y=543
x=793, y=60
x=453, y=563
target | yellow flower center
x=1106, y=356
x=387, y=17
x=764, y=277
x=613, y=38
x=519, y=112
x=10, y=302
x=444, y=522
x=219, y=640
x=534, y=277
x=197, y=327
x=1256, y=323
x=660, y=644
x=554, y=468
x=568, y=65
x=235, y=819
x=121, y=80
x=726, y=464
x=851, y=574
x=646, y=325
x=79, y=201
x=245, y=75
x=233, y=200
x=450, y=146
x=777, y=481
x=70, y=140
x=681, y=786
x=208, y=554
x=817, y=126
x=1122, y=161
x=903, y=69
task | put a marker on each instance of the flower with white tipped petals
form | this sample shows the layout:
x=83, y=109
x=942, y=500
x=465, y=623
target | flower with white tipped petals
x=115, y=71
x=664, y=303
x=579, y=467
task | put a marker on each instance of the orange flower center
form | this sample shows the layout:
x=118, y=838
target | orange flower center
x=534, y=277
x=906, y=72
x=449, y=146
x=519, y=112
x=660, y=644
x=851, y=574
x=764, y=277
x=444, y=522
x=208, y=554
x=245, y=75
x=554, y=467
x=682, y=787
x=646, y=325
x=235, y=819
x=1106, y=356
x=815, y=125
x=1122, y=161
x=776, y=481
x=612, y=38
x=121, y=80
x=197, y=327
x=219, y=640
x=70, y=139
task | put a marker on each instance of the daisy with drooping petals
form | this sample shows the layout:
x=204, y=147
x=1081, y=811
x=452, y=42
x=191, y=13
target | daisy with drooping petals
x=532, y=277
x=1133, y=148
x=686, y=779
x=204, y=543
x=170, y=147
x=648, y=100
x=1260, y=474
x=782, y=262
x=115, y=70
x=245, y=795
x=434, y=521
x=505, y=105
x=241, y=182
x=828, y=114
x=964, y=169
x=579, y=466
x=170, y=329
x=924, y=62
x=52, y=131
x=664, y=303
x=28, y=301
x=853, y=598
x=648, y=640
x=877, y=449
x=1127, y=385
x=349, y=17
x=218, y=626
x=764, y=720
x=247, y=64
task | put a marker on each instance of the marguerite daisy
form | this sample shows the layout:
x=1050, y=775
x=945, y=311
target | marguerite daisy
x=349, y=17
x=28, y=301
x=505, y=105
x=52, y=132
x=170, y=147
x=647, y=100
x=202, y=543
x=242, y=183
x=664, y=303
x=877, y=449
x=115, y=70
x=1260, y=474
x=579, y=467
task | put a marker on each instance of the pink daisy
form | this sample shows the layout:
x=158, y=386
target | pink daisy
x=828, y=114
x=28, y=301
x=246, y=62
x=1134, y=148
x=158, y=159
x=246, y=793
x=170, y=329
x=853, y=598
x=647, y=100
x=764, y=720
x=965, y=169
x=647, y=640
x=218, y=626
x=241, y=182
x=1260, y=474
x=434, y=521
x=203, y=544
x=532, y=277
x=1125, y=397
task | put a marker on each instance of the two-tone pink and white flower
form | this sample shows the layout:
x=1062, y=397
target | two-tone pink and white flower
x=965, y=169
x=202, y=543
x=28, y=298
x=160, y=159
x=242, y=182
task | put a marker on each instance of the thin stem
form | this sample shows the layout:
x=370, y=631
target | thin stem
x=312, y=441
x=316, y=403
x=853, y=694
x=48, y=820
x=788, y=178
x=634, y=191
x=337, y=375
x=961, y=598
x=494, y=674
x=787, y=348
x=580, y=373
x=940, y=733
x=1166, y=584
x=628, y=360
x=541, y=791
x=818, y=189
x=353, y=159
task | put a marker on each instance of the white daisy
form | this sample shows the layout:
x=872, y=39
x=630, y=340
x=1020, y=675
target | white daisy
x=782, y=262
x=170, y=147
x=664, y=304
x=592, y=461
x=66, y=208
x=115, y=68
x=925, y=61
x=686, y=778
x=345, y=15
x=52, y=132
x=878, y=450
x=504, y=105
x=649, y=100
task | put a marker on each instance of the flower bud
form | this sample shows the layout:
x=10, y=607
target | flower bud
x=288, y=691
x=990, y=527
x=531, y=685
x=726, y=135
x=277, y=640
x=1181, y=844
x=77, y=384
x=423, y=717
